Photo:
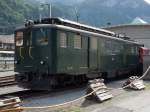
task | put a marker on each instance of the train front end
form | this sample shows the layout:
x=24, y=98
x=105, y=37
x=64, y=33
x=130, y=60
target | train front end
x=33, y=57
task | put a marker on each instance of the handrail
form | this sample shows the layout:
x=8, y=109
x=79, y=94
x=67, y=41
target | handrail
x=30, y=52
x=21, y=52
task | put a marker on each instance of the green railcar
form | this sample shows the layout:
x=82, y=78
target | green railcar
x=55, y=51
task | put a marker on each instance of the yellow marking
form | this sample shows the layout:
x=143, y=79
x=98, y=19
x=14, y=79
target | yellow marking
x=30, y=52
x=21, y=52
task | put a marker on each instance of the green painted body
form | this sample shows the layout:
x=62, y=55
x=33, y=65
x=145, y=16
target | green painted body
x=111, y=56
x=86, y=60
x=75, y=61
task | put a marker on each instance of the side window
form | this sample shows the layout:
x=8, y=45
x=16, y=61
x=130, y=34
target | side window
x=84, y=42
x=137, y=51
x=63, y=40
x=19, y=38
x=116, y=47
x=77, y=42
x=93, y=43
x=132, y=50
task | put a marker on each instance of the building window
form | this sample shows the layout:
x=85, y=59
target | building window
x=77, y=41
x=63, y=40
x=93, y=43
x=19, y=38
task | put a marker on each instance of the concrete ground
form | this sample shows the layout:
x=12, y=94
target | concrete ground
x=123, y=101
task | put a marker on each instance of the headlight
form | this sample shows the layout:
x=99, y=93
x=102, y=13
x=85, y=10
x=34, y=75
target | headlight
x=41, y=62
x=16, y=62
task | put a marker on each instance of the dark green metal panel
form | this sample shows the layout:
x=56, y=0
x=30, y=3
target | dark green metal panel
x=72, y=60
x=98, y=55
x=53, y=53
x=64, y=55
x=32, y=54
x=110, y=58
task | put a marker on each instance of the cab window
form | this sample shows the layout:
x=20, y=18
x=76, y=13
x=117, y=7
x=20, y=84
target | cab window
x=41, y=36
x=19, y=38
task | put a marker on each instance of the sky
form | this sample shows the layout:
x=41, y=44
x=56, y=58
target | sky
x=148, y=1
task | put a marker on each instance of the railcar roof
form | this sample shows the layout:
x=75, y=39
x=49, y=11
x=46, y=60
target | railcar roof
x=96, y=34
x=71, y=25
x=82, y=31
x=85, y=26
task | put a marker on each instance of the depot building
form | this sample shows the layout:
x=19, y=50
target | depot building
x=138, y=30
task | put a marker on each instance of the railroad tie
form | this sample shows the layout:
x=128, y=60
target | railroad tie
x=10, y=104
x=7, y=80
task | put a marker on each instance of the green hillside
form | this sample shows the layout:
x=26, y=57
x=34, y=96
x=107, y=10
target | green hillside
x=101, y=12
x=98, y=13
x=13, y=13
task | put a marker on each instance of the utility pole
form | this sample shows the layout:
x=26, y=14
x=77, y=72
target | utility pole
x=49, y=5
x=40, y=14
x=77, y=14
x=49, y=9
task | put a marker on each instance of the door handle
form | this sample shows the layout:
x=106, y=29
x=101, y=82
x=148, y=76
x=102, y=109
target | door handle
x=30, y=52
x=20, y=52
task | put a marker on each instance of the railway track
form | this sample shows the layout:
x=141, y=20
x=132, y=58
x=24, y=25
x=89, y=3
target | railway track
x=7, y=81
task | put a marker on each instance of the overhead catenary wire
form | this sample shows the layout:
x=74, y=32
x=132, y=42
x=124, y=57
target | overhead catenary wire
x=69, y=102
